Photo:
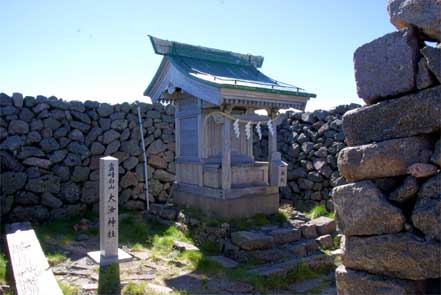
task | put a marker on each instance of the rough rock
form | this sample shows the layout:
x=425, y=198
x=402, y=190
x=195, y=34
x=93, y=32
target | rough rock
x=406, y=116
x=362, y=209
x=38, y=162
x=43, y=184
x=105, y=110
x=251, y=240
x=426, y=215
x=80, y=174
x=70, y=192
x=421, y=14
x=90, y=192
x=12, y=182
x=436, y=156
x=406, y=191
x=433, y=58
x=18, y=127
x=424, y=77
x=309, y=231
x=403, y=255
x=286, y=235
x=323, y=225
x=383, y=159
x=420, y=170
x=49, y=200
x=130, y=179
x=110, y=136
x=386, y=66
x=325, y=242
x=362, y=283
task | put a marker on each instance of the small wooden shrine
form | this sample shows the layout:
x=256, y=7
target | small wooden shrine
x=216, y=94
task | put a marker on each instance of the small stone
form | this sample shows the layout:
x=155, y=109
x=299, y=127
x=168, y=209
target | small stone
x=420, y=170
x=81, y=237
x=424, y=77
x=130, y=179
x=58, y=156
x=426, y=214
x=324, y=225
x=76, y=135
x=12, y=182
x=48, y=200
x=436, y=156
x=157, y=162
x=251, y=240
x=119, y=125
x=43, y=184
x=363, y=210
x=18, y=127
x=38, y=162
x=110, y=136
x=156, y=147
x=433, y=58
x=90, y=192
x=309, y=231
x=131, y=163
x=49, y=144
x=325, y=242
x=97, y=148
x=112, y=147
x=12, y=143
x=17, y=98
x=80, y=174
x=383, y=159
x=182, y=246
x=105, y=110
x=163, y=176
x=406, y=191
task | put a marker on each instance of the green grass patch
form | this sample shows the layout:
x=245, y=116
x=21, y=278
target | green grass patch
x=137, y=247
x=3, y=268
x=109, y=281
x=248, y=223
x=55, y=258
x=209, y=248
x=318, y=211
x=134, y=289
x=68, y=289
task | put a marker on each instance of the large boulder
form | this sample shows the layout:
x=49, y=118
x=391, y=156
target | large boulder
x=426, y=215
x=363, y=210
x=424, y=14
x=413, y=114
x=403, y=255
x=383, y=159
x=362, y=283
x=386, y=66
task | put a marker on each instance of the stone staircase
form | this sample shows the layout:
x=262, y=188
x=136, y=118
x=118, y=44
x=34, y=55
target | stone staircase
x=274, y=250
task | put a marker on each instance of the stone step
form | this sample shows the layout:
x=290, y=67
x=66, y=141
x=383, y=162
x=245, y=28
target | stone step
x=282, y=268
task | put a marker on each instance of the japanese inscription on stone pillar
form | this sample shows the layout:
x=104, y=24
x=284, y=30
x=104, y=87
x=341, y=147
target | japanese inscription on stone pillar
x=109, y=208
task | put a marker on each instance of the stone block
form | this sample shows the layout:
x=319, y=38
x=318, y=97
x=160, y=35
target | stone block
x=325, y=242
x=403, y=255
x=386, y=66
x=363, y=210
x=309, y=231
x=421, y=170
x=285, y=235
x=406, y=191
x=248, y=240
x=362, y=283
x=383, y=159
x=412, y=114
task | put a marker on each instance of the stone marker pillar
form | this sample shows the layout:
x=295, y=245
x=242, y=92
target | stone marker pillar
x=109, y=209
x=109, y=252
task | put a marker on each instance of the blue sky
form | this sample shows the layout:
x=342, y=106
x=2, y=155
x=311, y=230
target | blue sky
x=99, y=50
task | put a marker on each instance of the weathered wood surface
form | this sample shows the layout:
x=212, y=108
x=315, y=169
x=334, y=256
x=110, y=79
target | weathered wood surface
x=31, y=270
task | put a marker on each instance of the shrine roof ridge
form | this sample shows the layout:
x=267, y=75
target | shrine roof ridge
x=166, y=47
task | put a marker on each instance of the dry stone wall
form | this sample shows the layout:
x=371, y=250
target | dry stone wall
x=49, y=152
x=309, y=142
x=390, y=211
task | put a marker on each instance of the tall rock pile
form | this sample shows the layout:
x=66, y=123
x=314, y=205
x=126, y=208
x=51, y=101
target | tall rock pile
x=390, y=212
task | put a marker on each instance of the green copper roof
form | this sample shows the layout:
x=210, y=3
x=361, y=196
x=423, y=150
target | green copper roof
x=222, y=69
